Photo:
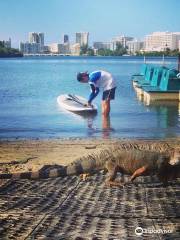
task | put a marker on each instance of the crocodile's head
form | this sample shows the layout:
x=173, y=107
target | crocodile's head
x=169, y=169
x=175, y=159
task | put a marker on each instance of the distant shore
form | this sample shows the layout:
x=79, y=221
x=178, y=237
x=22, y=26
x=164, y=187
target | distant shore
x=11, y=56
x=69, y=55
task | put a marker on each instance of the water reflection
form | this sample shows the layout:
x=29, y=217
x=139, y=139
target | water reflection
x=106, y=126
x=106, y=130
x=167, y=115
x=162, y=120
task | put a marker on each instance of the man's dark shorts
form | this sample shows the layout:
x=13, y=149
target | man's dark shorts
x=109, y=94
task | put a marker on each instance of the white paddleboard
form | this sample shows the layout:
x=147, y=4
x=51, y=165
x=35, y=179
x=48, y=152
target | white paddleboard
x=75, y=103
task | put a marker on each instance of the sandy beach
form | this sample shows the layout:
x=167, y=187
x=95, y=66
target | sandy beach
x=31, y=155
x=70, y=208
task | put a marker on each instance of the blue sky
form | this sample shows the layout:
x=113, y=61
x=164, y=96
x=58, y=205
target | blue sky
x=103, y=19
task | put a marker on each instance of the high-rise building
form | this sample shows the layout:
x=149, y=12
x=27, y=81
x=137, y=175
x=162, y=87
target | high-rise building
x=29, y=48
x=102, y=45
x=160, y=41
x=75, y=49
x=134, y=46
x=121, y=40
x=41, y=39
x=59, y=48
x=82, y=38
x=33, y=37
x=54, y=47
x=64, y=48
x=65, y=38
x=37, y=38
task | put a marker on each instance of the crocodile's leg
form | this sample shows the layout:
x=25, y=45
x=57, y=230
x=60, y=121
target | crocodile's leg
x=139, y=172
x=84, y=176
x=112, y=171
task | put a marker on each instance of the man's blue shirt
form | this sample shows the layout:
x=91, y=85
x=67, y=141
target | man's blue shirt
x=93, y=77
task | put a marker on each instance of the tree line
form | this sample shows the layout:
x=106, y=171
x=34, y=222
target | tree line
x=9, y=52
x=120, y=50
x=167, y=53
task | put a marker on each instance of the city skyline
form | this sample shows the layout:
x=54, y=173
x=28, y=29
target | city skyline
x=156, y=41
x=103, y=19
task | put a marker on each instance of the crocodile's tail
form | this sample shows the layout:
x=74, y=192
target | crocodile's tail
x=86, y=164
x=43, y=173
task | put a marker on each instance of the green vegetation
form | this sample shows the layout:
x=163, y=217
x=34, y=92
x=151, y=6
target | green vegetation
x=105, y=52
x=120, y=50
x=9, y=52
x=85, y=50
x=167, y=52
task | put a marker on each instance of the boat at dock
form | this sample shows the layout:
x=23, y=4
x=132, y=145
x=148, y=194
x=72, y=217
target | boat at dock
x=154, y=83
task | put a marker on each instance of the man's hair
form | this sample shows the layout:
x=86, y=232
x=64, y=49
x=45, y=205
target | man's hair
x=80, y=75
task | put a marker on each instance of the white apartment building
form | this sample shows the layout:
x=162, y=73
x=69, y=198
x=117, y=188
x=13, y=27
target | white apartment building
x=82, y=38
x=122, y=40
x=102, y=45
x=34, y=45
x=59, y=48
x=64, y=48
x=75, y=49
x=54, y=48
x=29, y=48
x=134, y=46
x=37, y=38
x=160, y=41
x=33, y=37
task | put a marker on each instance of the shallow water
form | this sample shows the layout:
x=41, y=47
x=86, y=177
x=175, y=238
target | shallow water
x=29, y=88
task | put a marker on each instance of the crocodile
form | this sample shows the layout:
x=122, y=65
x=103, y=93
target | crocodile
x=127, y=160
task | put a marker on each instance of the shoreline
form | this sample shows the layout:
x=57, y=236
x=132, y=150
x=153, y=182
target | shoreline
x=32, y=155
x=98, y=138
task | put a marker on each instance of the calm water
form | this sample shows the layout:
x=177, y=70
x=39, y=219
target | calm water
x=29, y=88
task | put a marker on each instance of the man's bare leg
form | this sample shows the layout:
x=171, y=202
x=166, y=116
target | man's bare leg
x=106, y=107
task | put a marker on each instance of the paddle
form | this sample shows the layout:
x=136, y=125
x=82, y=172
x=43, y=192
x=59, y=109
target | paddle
x=76, y=99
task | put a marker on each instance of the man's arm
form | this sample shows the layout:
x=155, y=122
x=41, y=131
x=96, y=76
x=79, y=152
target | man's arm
x=94, y=93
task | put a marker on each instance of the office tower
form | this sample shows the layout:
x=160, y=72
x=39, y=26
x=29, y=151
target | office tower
x=37, y=38
x=33, y=37
x=75, y=49
x=41, y=38
x=121, y=40
x=102, y=45
x=82, y=38
x=134, y=46
x=29, y=48
x=65, y=38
